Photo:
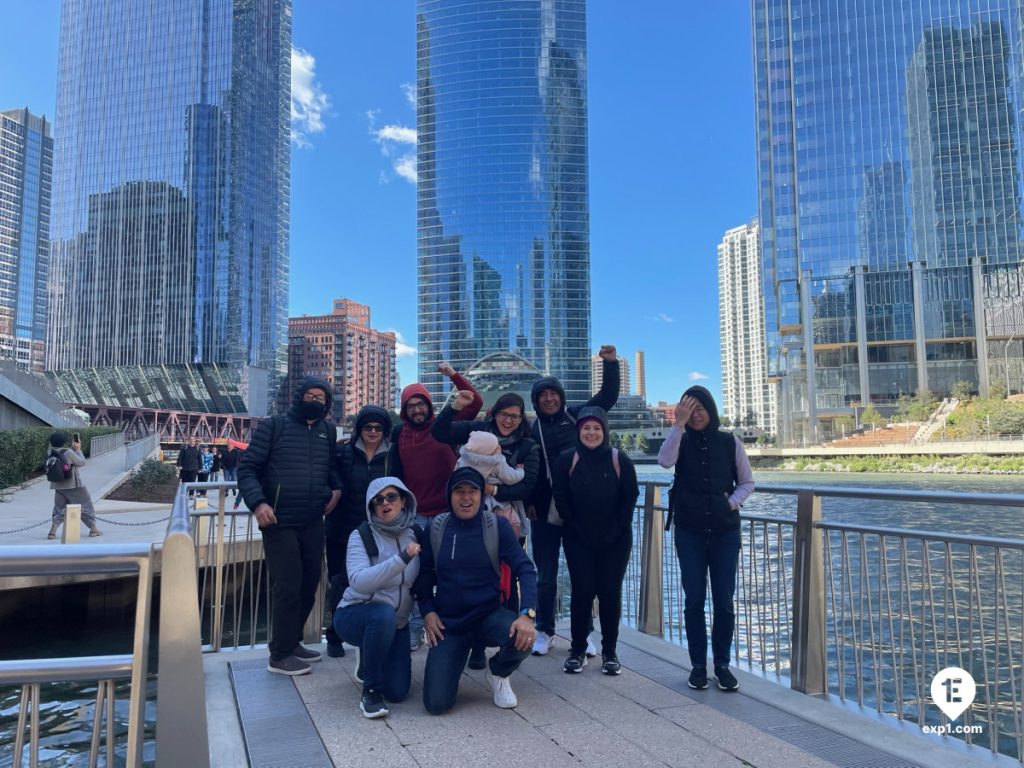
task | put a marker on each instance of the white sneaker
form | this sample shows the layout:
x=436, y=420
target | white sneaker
x=542, y=644
x=504, y=696
x=591, y=648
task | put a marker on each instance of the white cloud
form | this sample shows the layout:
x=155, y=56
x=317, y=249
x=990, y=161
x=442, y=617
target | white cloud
x=309, y=102
x=405, y=166
x=402, y=349
x=697, y=376
x=398, y=134
x=410, y=93
x=665, y=318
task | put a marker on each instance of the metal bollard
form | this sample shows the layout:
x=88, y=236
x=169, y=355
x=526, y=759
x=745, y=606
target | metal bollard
x=72, y=524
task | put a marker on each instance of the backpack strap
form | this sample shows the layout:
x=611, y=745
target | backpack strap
x=491, y=543
x=615, y=462
x=368, y=541
x=437, y=526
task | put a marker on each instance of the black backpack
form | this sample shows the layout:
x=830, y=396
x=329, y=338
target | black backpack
x=57, y=468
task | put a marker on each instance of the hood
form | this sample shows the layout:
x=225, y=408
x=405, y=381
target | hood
x=592, y=412
x=548, y=382
x=482, y=442
x=369, y=414
x=380, y=483
x=308, y=383
x=464, y=475
x=705, y=398
x=417, y=390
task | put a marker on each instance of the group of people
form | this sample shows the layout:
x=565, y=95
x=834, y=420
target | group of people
x=426, y=525
x=197, y=463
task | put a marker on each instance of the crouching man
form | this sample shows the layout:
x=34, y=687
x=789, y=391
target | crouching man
x=460, y=592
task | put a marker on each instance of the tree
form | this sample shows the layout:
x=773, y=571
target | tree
x=871, y=417
x=843, y=423
x=750, y=420
x=726, y=421
x=642, y=446
x=962, y=390
x=997, y=390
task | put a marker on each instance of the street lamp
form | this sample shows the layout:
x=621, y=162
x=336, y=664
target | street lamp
x=1006, y=361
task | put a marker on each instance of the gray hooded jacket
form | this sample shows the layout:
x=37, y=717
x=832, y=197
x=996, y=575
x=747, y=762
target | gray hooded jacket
x=387, y=578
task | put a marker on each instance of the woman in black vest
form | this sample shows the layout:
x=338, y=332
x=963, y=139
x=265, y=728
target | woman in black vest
x=595, y=491
x=712, y=479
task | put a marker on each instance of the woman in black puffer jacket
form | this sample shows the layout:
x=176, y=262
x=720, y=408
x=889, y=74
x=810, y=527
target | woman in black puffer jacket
x=595, y=491
x=361, y=460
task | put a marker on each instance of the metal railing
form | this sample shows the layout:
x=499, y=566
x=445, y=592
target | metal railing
x=866, y=613
x=139, y=450
x=181, y=728
x=105, y=443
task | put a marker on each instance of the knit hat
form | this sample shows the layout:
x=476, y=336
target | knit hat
x=483, y=443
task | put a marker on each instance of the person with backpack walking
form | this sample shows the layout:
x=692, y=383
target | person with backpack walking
x=373, y=615
x=554, y=430
x=595, y=491
x=361, y=460
x=712, y=480
x=460, y=594
x=62, y=465
x=289, y=480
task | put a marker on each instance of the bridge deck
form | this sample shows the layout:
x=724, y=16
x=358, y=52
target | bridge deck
x=646, y=717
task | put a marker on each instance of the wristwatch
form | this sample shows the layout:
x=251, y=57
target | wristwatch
x=529, y=613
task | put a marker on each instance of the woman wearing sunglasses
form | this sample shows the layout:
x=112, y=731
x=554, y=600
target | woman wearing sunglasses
x=373, y=615
x=361, y=460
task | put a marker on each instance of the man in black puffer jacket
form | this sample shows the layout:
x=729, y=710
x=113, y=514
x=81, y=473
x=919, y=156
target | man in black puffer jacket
x=289, y=479
x=554, y=430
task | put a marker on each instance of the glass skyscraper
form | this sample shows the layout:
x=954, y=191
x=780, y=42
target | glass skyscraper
x=26, y=160
x=890, y=186
x=171, y=192
x=503, y=217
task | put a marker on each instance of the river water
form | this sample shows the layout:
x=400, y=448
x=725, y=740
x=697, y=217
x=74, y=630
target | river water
x=68, y=711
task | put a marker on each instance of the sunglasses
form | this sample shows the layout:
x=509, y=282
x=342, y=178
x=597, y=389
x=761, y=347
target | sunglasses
x=373, y=428
x=386, y=497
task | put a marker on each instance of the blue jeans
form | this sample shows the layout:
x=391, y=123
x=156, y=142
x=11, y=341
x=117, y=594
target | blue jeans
x=387, y=665
x=703, y=553
x=231, y=476
x=446, y=660
x=546, y=540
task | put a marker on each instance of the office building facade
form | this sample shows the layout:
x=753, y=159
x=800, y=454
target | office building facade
x=26, y=163
x=503, y=220
x=889, y=173
x=342, y=348
x=747, y=398
x=171, y=188
x=597, y=375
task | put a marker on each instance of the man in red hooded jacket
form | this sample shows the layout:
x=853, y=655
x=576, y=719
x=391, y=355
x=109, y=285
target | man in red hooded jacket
x=423, y=463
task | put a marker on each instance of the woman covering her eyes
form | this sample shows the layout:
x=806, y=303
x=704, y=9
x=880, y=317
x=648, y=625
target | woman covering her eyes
x=382, y=562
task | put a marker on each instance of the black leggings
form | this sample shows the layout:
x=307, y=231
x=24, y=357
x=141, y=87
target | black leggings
x=596, y=572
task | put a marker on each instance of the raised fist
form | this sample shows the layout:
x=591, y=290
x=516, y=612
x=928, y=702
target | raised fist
x=444, y=367
x=607, y=352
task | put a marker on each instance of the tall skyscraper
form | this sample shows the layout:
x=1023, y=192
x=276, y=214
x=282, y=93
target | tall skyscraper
x=890, y=198
x=597, y=376
x=26, y=161
x=503, y=227
x=171, y=192
x=748, y=399
x=641, y=375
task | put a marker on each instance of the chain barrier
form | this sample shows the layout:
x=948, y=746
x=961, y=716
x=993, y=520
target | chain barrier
x=26, y=528
x=132, y=525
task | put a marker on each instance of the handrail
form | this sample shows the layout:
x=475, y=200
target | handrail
x=105, y=443
x=137, y=450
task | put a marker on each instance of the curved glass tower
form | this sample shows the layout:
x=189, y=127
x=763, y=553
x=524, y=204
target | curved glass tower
x=503, y=219
x=171, y=187
x=890, y=183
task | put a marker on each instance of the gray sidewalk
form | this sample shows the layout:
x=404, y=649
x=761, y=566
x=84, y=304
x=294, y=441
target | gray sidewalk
x=645, y=717
x=25, y=511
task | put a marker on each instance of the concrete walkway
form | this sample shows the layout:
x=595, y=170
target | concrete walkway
x=645, y=717
x=25, y=510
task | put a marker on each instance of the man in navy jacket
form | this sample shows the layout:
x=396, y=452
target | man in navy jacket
x=460, y=597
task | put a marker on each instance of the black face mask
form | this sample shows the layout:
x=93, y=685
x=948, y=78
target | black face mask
x=312, y=410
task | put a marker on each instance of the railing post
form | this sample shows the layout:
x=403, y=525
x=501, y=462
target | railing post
x=72, y=524
x=650, y=611
x=218, y=573
x=809, y=671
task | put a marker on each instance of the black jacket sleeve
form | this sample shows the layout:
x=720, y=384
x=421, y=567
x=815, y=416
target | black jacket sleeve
x=522, y=490
x=561, y=490
x=446, y=429
x=254, y=463
x=608, y=395
x=334, y=477
x=629, y=489
x=394, y=460
x=423, y=587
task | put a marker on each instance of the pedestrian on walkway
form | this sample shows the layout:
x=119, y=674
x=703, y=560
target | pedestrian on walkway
x=712, y=480
x=554, y=430
x=289, y=480
x=205, y=466
x=373, y=615
x=595, y=491
x=229, y=463
x=188, y=462
x=460, y=595
x=71, y=490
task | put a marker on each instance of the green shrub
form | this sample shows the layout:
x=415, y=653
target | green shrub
x=23, y=451
x=152, y=474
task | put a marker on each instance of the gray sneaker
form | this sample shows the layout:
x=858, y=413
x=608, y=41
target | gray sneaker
x=307, y=655
x=290, y=666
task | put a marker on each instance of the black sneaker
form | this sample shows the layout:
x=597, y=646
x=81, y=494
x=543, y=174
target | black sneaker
x=307, y=655
x=698, y=678
x=575, y=663
x=477, y=659
x=360, y=676
x=726, y=680
x=335, y=650
x=611, y=664
x=289, y=665
x=372, y=705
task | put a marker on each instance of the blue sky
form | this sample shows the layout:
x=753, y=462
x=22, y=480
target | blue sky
x=672, y=164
